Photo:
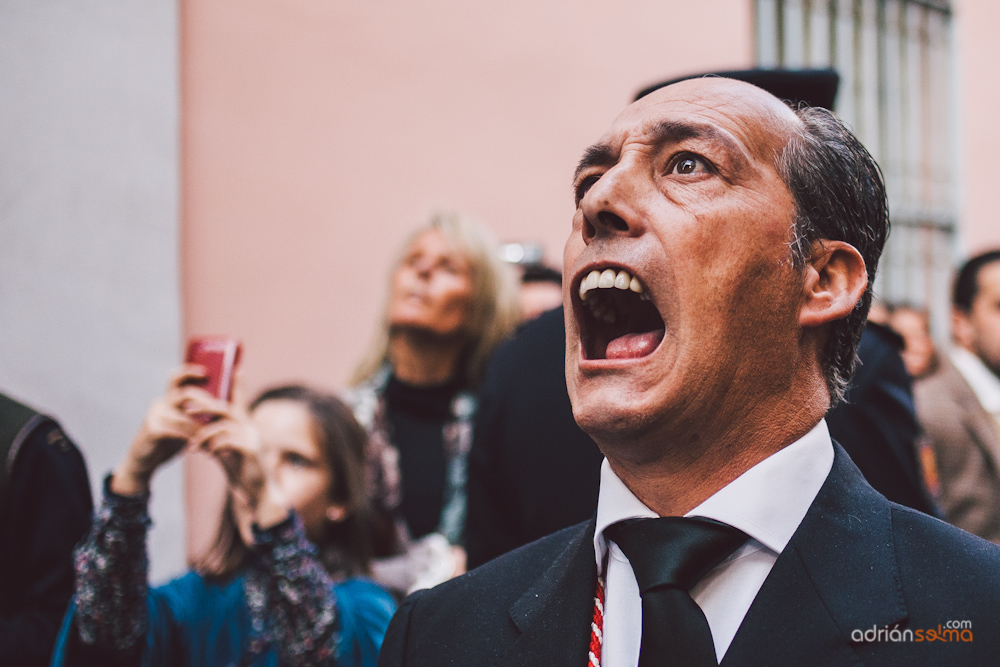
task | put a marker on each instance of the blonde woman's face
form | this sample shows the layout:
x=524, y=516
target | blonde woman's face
x=292, y=457
x=432, y=287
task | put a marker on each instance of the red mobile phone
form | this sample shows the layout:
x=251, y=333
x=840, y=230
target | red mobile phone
x=220, y=355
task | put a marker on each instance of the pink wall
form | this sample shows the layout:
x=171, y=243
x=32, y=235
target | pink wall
x=316, y=134
x=976, y=22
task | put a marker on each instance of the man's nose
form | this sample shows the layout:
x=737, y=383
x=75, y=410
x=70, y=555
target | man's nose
x=609, y=206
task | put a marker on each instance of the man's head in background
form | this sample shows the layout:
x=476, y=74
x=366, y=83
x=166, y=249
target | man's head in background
x=718, y=273
x=976, y=308
x=541, y=290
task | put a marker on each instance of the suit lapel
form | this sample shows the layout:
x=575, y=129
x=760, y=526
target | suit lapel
x=836, y=575
x=554, y=614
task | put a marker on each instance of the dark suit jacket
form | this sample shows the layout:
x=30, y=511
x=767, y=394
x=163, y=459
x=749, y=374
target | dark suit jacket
x=856, y=562
x=877, y=422
x=532, y=471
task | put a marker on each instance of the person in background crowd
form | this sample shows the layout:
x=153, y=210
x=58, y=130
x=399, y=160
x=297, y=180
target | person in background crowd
x=451, y=302
x=532, y=470
x=876, y=423
x=541, y=291
x=45, y=508
x=281, y=583
x=959, y=404
x=879, y=312
x=717, y=279
x=919, y=353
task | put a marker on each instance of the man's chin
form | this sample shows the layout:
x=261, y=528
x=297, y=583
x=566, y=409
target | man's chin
x=610, y=422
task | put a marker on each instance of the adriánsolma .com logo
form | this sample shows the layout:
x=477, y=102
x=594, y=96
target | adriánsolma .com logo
x=952, y=631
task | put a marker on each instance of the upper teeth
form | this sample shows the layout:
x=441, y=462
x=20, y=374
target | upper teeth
x=607, y=279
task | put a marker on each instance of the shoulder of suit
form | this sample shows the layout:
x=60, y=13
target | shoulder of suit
x=542, y=338
x=944, y=384
x=925, y=542
x=51, y=440
x=508, y=574
x=37, y=435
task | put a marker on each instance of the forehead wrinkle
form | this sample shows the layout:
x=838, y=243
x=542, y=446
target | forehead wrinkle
x=675, y=131
x=761, y=123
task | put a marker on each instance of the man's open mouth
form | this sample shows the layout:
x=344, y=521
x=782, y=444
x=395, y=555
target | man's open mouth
x=617, y=319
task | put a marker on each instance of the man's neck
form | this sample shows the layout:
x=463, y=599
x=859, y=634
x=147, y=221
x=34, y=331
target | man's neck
x=680, y=480
x=421, y=359
x=977, y=354
x=981, y=378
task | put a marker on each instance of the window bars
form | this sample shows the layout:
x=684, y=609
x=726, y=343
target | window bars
x=897, y=92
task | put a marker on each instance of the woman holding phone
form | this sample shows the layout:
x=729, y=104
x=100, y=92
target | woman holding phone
x=282, y=583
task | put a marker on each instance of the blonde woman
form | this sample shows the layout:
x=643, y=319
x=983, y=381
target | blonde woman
x=451, y=302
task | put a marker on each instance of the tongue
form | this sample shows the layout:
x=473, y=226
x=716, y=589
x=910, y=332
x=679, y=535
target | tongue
x=633, y=346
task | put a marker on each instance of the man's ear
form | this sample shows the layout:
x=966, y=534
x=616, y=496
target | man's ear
x=834, y=279
x=961, y=328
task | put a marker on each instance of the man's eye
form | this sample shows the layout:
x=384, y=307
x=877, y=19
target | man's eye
x=585, y=185
x=689, y=164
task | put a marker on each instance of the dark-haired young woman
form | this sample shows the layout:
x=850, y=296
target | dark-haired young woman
x=283, y=582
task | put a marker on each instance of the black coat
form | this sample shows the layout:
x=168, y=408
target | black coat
x=48, y=511
x=856, y=562
x=877, y=421
x=532, y=471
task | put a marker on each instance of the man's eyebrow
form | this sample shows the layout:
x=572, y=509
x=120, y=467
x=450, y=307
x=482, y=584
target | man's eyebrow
x=673, y=131
x=665, y=132
x=598, y=155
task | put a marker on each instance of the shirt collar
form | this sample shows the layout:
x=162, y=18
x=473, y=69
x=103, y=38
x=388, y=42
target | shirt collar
x=985, y=385
x=767, y=502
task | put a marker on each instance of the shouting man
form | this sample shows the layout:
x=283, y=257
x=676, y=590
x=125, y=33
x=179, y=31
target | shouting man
x=717, y=280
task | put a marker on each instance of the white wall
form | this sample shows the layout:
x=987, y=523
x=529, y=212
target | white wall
x=89, y=232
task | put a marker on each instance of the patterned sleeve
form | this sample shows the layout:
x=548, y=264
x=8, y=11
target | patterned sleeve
x=290, y=597
x=111, y=574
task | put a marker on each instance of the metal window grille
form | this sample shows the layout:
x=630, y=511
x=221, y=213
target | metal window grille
x=896, y=92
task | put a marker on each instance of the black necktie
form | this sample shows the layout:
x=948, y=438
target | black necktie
x=669, y=556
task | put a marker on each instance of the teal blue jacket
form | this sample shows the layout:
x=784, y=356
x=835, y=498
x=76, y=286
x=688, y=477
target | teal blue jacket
x=202, y=623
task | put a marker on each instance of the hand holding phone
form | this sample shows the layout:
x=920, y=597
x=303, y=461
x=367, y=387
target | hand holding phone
x=219, y=355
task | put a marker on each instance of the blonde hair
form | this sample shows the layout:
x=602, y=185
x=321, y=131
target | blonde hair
x=494, y=312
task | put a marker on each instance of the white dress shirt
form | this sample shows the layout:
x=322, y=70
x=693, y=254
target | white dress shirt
x=985, y=385
x=767, y=502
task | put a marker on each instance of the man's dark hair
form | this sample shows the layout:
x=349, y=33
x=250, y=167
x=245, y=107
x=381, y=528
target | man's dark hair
x=839, y=196
x=967, y=282
x=539, y=273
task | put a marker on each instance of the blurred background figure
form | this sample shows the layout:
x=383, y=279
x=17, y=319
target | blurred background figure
x=540, y=291
x=879, y=312
x=540, y=286
x=451, y=302
x=876, y=423
x=959, y=404
x=281, y=582
x=532, y=470
x=45, y=508
x=919, y=353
